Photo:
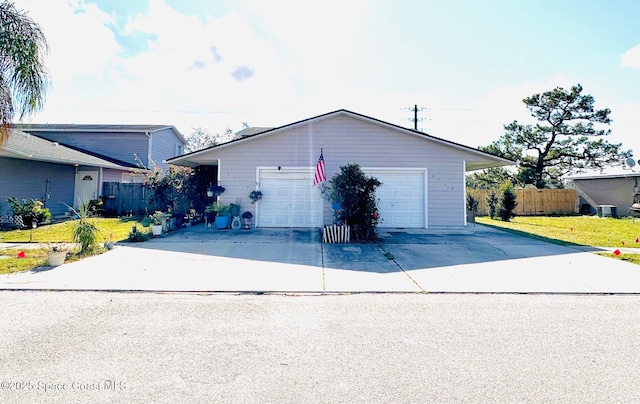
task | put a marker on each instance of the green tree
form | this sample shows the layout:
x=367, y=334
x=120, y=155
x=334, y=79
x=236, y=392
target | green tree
x=23, y=77
x=203, y=138
x=492, y=202
x=356, y=194
x=507, y=202
x=489, y=178
x=563, y=140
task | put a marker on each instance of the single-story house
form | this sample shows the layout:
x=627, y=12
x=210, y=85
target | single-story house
x=615, y=187
x=423, y=177
x=63, y=164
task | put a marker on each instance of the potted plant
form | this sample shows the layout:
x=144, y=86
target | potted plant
x=222, y=215
x=216, y=190
x=246, y=219
x=157, y=220
x=255, y=196
x=209, y=214
x=234, y=209
x=56, y=255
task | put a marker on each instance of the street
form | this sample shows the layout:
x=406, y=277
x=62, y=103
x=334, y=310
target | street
x=198, y=347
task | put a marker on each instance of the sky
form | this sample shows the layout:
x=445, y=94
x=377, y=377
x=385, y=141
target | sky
x=218, y=64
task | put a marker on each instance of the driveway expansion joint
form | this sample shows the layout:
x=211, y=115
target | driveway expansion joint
x=390, y=256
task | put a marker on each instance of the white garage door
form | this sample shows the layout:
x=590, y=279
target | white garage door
x=289, y=199
x=401, y=197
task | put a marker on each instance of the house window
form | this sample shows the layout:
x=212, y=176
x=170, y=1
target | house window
x=179, y=149
x=87, y=178
x=132, y=178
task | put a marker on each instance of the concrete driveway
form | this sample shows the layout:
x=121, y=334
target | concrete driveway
x=479, y=259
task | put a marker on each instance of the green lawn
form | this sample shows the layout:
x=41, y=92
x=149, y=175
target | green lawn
x=56, y=233
x=61, y=232
x=591, y=231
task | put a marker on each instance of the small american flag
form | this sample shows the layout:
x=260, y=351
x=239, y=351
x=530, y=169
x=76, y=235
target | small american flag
x=320, y=175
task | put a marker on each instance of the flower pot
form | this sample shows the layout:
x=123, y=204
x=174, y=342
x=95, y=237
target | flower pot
x=234, y=210
x=222, y=222
x=247, y=222
x=57, y=258
x=156, y=229
x=210, y=194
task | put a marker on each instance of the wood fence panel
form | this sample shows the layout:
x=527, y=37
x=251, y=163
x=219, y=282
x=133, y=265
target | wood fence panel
x=533, y=202
x=124, y=198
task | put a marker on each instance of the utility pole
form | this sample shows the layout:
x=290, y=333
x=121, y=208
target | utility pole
x=415, y=118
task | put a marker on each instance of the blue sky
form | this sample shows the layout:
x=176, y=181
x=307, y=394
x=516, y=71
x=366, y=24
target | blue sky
x=217, y=64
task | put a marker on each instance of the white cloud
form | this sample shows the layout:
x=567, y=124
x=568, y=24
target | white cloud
x=96, y=80
x=631, y=58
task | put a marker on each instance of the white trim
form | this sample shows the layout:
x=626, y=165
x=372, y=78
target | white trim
x=464, y=193
x=280, y=169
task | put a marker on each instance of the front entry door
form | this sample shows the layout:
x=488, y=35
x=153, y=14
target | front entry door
x=86, y=187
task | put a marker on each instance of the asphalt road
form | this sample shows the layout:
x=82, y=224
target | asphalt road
x=363, y=348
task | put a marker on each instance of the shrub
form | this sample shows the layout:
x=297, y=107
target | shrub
x=472, y=203
x=85, y=233
x=139, y=236
x=355, y=192
x=508, y=202
x=492, y=203
x=30, y=209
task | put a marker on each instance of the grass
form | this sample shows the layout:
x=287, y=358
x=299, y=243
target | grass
x=62, y=232
x=118, y=229
x=592, y=231
x=34, y=258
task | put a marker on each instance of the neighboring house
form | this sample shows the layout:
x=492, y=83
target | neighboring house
x=423, y=177
x=142, y=146
x=68, y=163
x=616, y=187
x=36, y=168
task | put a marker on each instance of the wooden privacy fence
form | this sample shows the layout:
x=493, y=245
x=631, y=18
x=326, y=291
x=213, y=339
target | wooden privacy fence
x=124, y=198
x=533, y=202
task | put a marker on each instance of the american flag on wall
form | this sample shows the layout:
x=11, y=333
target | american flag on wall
x=320, y=175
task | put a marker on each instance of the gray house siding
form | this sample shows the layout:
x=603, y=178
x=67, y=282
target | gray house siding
x=26, y=179
x=120, y=146
x=165, y=144
x=608, y=191
x=346, y=140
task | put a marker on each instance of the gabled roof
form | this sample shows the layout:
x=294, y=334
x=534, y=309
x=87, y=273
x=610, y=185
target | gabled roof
x=96, y=128
x=22, y=145
x=246, y=132
x=488, y=160
x=610, y=172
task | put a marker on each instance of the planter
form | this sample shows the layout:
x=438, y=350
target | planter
x=57, y=258
x=222, y=222
x=179, y=220
x=210, y=194
x=234, y=210
x=156, y=229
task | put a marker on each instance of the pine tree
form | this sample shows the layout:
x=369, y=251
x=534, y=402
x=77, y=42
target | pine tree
x=508, y=202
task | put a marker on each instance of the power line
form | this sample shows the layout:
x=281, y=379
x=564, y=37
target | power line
x=415, y=118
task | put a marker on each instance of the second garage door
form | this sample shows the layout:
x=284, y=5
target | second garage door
x=401, y=197
x=289, y=199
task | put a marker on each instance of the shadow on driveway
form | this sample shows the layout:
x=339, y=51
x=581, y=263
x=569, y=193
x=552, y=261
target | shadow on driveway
x=398, y=250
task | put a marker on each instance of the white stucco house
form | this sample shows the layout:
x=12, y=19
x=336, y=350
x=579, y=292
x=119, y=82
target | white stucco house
x=423, y=177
